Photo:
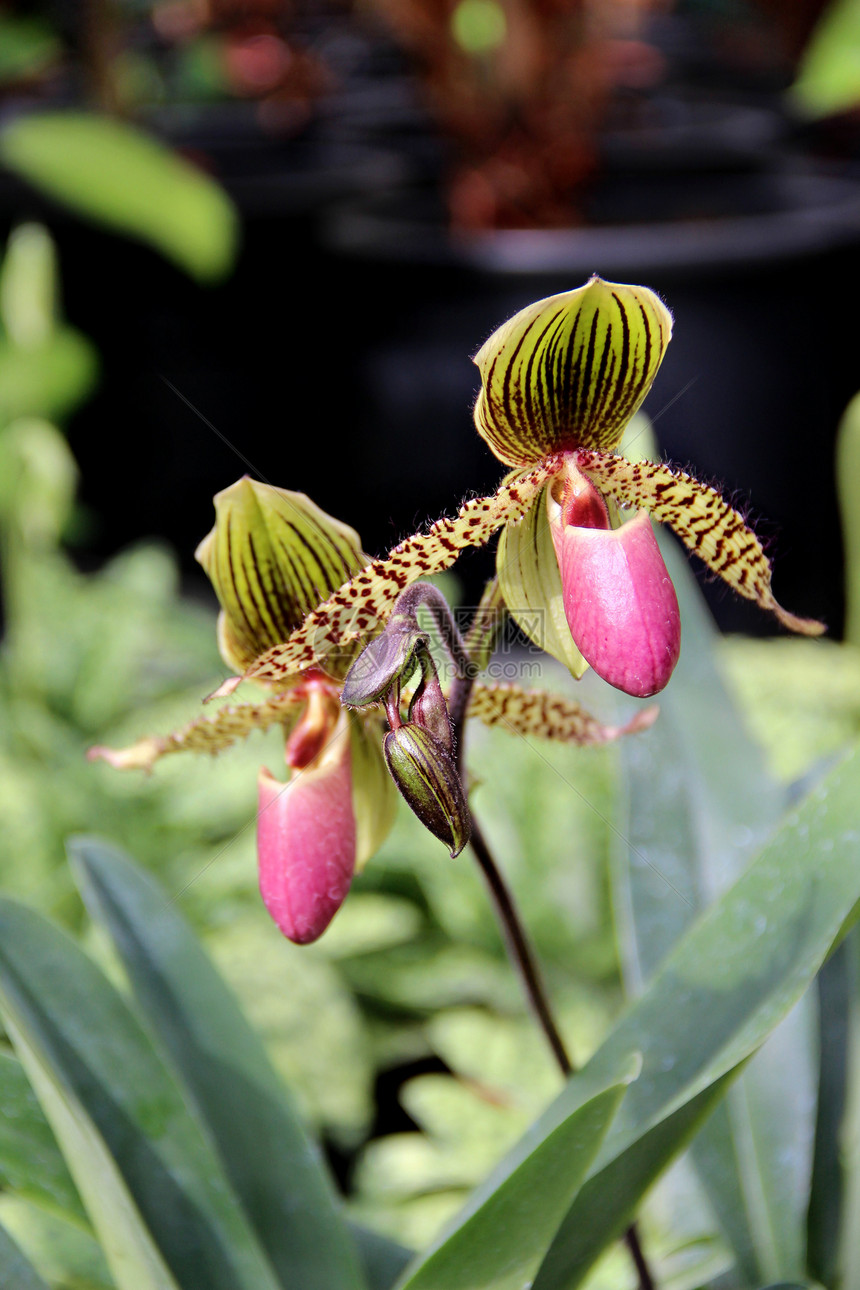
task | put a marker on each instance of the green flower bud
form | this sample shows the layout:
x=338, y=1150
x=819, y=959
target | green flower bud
x=425, y=773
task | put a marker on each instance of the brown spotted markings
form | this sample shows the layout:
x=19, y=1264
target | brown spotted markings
x=702, y=519
x=546, y=715
x=360, y=607
x=206, y=734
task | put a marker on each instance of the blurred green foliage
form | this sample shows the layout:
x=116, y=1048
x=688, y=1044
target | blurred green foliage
x=827, y=79
x=412, y=970
x=121, y=177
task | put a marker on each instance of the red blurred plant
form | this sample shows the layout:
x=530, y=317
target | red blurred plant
x=521, y=87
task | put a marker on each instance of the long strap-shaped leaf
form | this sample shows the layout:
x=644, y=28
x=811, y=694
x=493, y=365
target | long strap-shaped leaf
x=154, y=1189
x=30, y=1164
x=499, y=1239
x=698, y=796
x=16, y=1271
x=732, y=978
x=268, y=1157
x=360, y=607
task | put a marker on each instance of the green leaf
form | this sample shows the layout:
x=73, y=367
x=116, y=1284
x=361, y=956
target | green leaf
x=382, y=1259
x=30, y=1161
x=151, y=1183
x=732, y=978
x=837, y=991
x=699, y=800
x=624, y=1180
x=28, y=286
x=509, y=1222
x=117, y=175
x=38, y=478
x=827, y=76
x=274, y=1169
x=46, y=380
x=16, y=1272
x=27, y=47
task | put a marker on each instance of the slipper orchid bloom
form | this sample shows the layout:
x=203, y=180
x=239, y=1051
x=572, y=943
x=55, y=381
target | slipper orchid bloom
x=272, y=557
x=560, y=381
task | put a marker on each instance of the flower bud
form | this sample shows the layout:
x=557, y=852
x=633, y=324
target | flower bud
x=424, y=771
x=429, y=708
x=306, y=841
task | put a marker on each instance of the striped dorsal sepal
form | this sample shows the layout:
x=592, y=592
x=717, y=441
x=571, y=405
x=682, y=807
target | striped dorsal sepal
x=272, y=556
x=570, y=371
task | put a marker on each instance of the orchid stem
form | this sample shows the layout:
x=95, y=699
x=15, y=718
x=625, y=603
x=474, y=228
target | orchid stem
x=516, y=939
x=519, y=950
x=523, y=959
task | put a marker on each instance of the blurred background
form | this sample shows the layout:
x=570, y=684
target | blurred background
x=252, y=235
x=405, y=174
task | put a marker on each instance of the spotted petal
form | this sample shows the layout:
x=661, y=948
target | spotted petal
x=209, y=734
x=546, y=715
x=530, y=582
x=272, y=556
x=702, y=519
x=570, y=371
x=328, y=636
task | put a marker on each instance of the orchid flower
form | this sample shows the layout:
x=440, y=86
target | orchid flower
x=299, y=600
x=560, y=381
x=273, y=557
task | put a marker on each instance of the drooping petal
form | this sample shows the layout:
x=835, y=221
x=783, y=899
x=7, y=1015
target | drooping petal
x=530, y=582
x=272, y=557
x=306, y=842
x=544, y=715
x=328, y=637
x=620, y=604
x=569, y=371
x=374, y=796
x=702, y=519
x=210, y=734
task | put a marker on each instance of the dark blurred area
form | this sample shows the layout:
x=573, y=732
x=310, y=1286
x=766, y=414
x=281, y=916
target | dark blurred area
x=410, y=172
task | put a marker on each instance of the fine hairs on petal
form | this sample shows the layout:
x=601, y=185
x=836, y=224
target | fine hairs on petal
x=706, y=524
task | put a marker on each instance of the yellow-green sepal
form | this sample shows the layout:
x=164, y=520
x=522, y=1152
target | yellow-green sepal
x=570, y=371
x=529, y=580
x=272, y=557
x=374, y=797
